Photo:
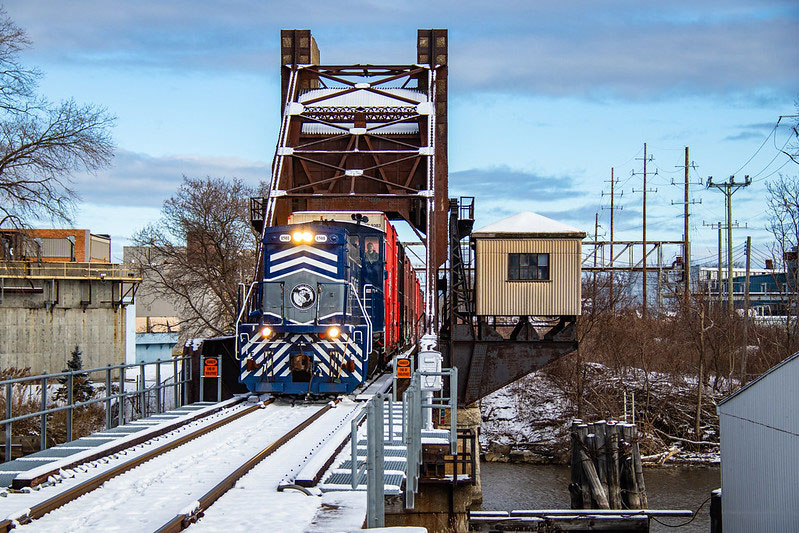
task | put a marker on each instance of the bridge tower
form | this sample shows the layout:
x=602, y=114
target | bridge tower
x=364, y=137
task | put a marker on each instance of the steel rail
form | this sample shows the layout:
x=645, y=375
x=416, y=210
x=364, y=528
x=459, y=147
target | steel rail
x=196, y=511
x=61, y=499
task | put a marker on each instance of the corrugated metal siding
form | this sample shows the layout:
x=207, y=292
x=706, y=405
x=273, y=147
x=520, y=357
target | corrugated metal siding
x=56, y=247
x=760, y=454
x=558, y=296
x=100, y=249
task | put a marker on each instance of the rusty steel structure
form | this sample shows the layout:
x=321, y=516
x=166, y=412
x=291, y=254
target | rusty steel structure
x=364, y=138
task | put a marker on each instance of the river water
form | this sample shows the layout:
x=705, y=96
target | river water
x=521, y=486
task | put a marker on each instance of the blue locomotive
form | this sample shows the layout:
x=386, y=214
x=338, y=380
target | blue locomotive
x=316, y=323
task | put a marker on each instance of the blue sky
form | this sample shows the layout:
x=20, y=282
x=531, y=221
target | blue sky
x=194, y=85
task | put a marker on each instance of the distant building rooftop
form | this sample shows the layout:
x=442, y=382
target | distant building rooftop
x=528, y=224
x=54, y=245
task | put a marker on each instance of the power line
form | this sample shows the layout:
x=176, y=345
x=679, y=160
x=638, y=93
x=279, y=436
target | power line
x=774, y=129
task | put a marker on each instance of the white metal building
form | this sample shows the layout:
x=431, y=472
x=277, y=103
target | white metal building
x=760, y=452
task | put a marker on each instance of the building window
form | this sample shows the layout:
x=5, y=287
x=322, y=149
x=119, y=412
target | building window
x=528, y=266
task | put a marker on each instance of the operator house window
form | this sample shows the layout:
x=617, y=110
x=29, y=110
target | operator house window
x=528, y=266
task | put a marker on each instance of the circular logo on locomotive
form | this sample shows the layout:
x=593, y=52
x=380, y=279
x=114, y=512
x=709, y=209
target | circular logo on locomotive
x=303, y=296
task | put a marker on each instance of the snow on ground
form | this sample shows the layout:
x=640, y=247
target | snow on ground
x=153, y=493
x=529, y=414
x=529, y=419
x=290, y=510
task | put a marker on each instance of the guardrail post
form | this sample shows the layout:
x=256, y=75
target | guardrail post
x=70, y=401
x=158, y=386
x=43, y=435
x=175, y=390
x=8, y=424
x=370, y=465
x=390, y=420
x=202, y=379
x=121, y=402
x=108, y=398
x=453, y=414
x=354, y=452
x=186, y=376
x=380, y=478
x=142, y=397
x=394, y=379
x=219, y=378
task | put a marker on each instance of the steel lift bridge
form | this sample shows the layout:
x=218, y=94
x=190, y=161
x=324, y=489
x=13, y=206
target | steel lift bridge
x=374, y=138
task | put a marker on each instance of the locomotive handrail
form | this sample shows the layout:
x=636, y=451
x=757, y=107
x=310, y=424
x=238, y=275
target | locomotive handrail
x=238, y=319
x=366, y=317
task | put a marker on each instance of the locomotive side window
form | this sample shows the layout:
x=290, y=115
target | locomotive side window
x=528, y=267
x=372, y=253
x=354, y=247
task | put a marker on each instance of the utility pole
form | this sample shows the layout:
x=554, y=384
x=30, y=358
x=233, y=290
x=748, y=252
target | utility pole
x=721, y=293
x=596, y=238
x=745, y=352
x=687, y=248
x=613, y=209
x=686, y=239
x=643, y=260
x=644, y=236
x=729, y=188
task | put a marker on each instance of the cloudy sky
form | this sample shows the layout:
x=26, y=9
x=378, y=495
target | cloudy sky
x=545, y=98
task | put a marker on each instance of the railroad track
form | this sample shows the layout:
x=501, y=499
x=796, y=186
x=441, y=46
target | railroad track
x=69, y=516
x=189, y=516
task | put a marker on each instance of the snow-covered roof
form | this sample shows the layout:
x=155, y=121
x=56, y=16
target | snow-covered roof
x=365, y=99
x=528, y=224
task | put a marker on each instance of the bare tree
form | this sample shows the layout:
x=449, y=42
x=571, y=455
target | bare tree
x=794, y=147
x=199, y=251
x=783, y=223
x=783, y=211
x=41, y=143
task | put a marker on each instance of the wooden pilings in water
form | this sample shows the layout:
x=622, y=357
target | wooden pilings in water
x=606, y=470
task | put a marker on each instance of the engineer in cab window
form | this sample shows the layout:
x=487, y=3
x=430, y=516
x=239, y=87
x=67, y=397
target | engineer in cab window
x=371, y=254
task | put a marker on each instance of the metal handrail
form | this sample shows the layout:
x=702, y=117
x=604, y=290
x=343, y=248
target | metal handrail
x=42, y=381
x=66, y=270
x=244, y=305
x=366, y=317
x=373, y=413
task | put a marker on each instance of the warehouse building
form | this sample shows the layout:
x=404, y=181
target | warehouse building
x=760, y=452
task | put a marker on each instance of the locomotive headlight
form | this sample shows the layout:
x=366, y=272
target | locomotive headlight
x=266, y=331
x=333, y=332
x=307, y=236
x=297, y=236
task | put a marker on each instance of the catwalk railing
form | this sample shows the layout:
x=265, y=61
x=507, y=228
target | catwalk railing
x=56, y=393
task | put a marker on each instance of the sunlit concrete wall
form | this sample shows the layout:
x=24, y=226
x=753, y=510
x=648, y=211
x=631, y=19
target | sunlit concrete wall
x=41, y=322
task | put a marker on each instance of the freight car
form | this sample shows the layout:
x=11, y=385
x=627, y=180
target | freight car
x=337, y=298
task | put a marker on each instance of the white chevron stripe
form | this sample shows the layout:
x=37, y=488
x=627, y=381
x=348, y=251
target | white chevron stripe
x=315, y=273
x=302, y=261
x=259, y=349
x=304, y=248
